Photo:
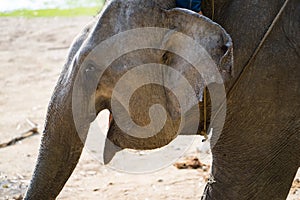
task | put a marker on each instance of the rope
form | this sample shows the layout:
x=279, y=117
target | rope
x=204, y=131
x=212, y=9
x=205, y=109
x=254, y=54
x=260, y=45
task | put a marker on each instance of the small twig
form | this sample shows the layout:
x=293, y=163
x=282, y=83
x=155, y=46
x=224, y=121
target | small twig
x=27, y=134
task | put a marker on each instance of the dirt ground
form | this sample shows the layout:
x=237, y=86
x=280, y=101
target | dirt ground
x=32, y=53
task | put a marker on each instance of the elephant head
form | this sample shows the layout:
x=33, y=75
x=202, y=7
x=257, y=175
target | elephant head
x=148, y=42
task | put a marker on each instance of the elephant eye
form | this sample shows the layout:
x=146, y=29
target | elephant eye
x=90, y=68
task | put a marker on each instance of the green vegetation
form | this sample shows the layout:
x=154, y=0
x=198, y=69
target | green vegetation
x=53, y=12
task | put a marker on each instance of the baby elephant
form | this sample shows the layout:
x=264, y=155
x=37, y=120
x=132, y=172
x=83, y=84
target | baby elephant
x=149, y=64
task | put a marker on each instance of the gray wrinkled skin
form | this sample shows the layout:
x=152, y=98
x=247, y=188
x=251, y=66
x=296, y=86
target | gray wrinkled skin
x=257, y=155
x=62, y=140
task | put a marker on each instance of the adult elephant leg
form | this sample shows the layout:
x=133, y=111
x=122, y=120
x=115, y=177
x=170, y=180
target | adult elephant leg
x=257, y=155
x=243, y=172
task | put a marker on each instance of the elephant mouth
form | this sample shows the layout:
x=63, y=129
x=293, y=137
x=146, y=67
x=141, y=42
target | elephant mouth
x=118, y=140
x=198, y=116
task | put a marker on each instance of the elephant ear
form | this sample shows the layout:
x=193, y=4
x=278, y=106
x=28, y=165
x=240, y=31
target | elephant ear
x=208, y=34
x=119, y=16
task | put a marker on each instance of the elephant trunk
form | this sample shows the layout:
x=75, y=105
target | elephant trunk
x=60, y=150
x=61, y=144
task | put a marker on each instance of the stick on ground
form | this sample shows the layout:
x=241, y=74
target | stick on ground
x=27, y=134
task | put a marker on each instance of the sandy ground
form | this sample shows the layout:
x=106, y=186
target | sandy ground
x=32, y=53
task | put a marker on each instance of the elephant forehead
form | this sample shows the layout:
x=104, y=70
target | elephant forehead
x=180, y=31
x=119, y=16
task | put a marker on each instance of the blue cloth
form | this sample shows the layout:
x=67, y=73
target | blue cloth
x=194, y=5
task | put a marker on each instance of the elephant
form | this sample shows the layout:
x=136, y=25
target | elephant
x=82, y=91
x=257, y=154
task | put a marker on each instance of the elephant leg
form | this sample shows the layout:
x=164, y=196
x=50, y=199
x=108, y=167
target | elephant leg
x=261, y=170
